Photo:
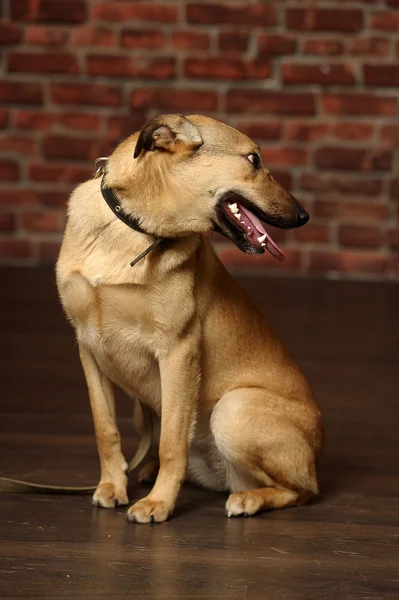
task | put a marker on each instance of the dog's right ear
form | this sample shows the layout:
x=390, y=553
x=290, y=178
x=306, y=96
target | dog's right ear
x=172, y=133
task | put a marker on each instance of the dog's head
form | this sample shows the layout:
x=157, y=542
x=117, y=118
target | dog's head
x=181, y=175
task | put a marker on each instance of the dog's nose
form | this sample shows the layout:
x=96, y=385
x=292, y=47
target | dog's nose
x=303, y=216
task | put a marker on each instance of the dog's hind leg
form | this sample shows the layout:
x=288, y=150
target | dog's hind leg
x=112, y=489
x=269, y=447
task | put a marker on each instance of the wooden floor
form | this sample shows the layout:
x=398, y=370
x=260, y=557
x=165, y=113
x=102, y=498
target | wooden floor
x=345, y=546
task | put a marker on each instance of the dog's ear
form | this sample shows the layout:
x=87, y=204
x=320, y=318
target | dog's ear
x=168, y=132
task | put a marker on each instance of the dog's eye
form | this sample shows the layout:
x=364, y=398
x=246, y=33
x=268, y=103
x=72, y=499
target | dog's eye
x=255, y=159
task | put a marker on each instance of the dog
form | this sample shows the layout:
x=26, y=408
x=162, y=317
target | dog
x=231, y=410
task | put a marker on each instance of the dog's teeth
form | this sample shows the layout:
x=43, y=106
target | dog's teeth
x=263, y=244
x=262, y=238
x=233, y=208
x=237, y=216
x=248, y=227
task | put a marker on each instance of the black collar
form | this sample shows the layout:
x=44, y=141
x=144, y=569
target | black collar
x=115, y=205
x=132, y=222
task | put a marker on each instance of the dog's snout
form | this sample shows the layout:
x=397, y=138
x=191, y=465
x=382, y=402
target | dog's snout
x=302, y=216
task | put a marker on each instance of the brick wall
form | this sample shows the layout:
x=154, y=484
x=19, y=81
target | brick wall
x=315, y=82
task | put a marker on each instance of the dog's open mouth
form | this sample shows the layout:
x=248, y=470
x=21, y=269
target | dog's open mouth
x=240, y=224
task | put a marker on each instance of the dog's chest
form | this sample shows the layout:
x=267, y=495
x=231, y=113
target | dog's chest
x=117, y=324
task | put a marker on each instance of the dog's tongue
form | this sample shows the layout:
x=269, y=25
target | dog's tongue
x=271, y=246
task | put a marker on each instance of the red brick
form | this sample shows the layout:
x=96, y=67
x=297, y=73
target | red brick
x=234, y=41
x=4, y=118
x=17, y=196
x=9, y=170
x=58, y=173
x=325, y=74
x=284, y=156
x=13, y=248
x=13, y=142
x=55, y=11
x=356, y=262
x=125, y=11
x=142, y=38
x=48, y=252
x=324, y=47
x=329, y=19
x=390, y=133
x=208, y=13
x=354, y=104
x=314, y=182
x=385, y=21
x=313, y=232
x=190, y=40
x=7, y=222
x=395, y=189
x=125, y=66
x=33, y=120
x=349, y=159
x=174, y=99
x=27, y=62
x=381, y=75
x=19, y=92
x=37, y=35
x=75, y=148
x=81, y=122
x=263, y=101
x=393, y=238
x=85, y=93
x=93, y=36
x=351, y=211
x=10, y=34
x=27, y=197
x=369, y=46
x=261, y=131
x=49, y=221
x=233, y=257
x=284, y=178
x=52, y=198
x=359, y=236
x=306, y=131
x=356, y=1
x=275, y=44
x=226, y=68
x=353, y=131
x=123, y=126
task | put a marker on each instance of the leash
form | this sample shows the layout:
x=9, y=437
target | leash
x=8, y=485
x=114, y=204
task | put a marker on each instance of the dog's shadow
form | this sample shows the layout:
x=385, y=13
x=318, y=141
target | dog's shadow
x=191, y=498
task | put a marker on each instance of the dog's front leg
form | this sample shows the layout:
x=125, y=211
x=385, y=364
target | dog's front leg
x=180, y=389
x=111, y=491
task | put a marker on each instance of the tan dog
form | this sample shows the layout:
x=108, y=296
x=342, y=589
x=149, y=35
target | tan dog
x=176, y=332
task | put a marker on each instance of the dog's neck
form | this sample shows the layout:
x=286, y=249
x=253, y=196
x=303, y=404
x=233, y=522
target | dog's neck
x=114, y=204
x=101, y=231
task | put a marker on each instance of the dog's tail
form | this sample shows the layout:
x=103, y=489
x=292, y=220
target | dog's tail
x=20, y=486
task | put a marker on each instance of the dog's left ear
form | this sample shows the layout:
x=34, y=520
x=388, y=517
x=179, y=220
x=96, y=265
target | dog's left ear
x=173, y=133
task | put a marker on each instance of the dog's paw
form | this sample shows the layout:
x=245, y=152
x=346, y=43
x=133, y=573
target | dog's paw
x=243, y=503
x=149, y=511
x=149, y=472
x=108, y=495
